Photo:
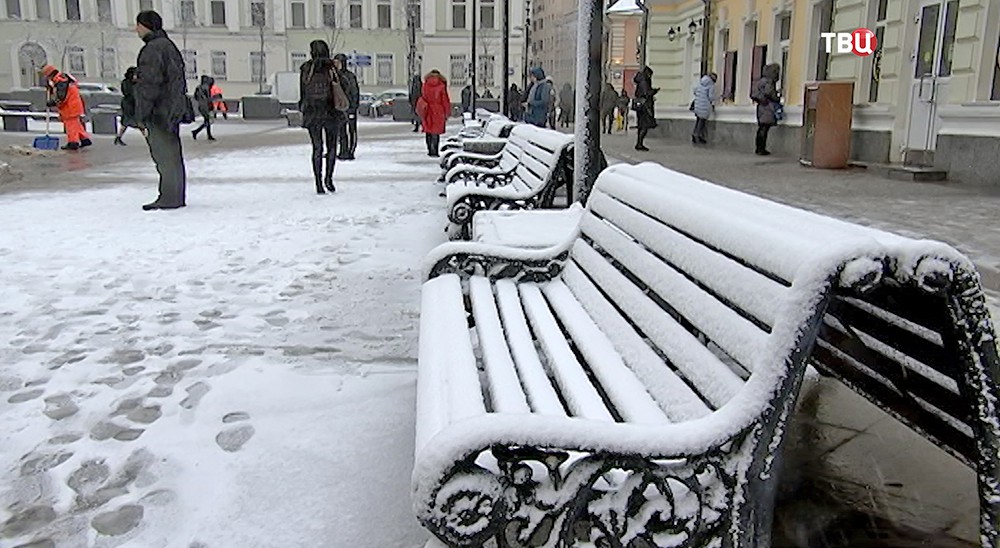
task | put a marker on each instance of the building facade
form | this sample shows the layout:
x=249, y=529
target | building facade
x=447, y=43
x=930, y=94
x=553, y=39
x=240, y=43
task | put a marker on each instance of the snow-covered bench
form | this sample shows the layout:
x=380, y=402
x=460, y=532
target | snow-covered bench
x=634, y=384
x=529, y=170
x=497, y=127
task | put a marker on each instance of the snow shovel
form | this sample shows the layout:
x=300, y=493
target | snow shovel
x=47, y=142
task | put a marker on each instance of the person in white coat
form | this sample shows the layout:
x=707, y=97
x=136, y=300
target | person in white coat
x=703, y=105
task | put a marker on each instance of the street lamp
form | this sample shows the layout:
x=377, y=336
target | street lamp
x=626, y=8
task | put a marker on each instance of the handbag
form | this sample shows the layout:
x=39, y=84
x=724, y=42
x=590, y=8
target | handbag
x=337, y=95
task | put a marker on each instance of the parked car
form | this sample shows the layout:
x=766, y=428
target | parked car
x=385, y=100
x=94, y=87
x=365, y=105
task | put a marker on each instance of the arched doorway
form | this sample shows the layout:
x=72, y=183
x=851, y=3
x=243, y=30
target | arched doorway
x=31, y=58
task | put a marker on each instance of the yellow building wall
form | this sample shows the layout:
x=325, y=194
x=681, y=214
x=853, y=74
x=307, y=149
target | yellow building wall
x=676, y=63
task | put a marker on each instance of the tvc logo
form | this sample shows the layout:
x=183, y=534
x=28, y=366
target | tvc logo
x=861, y=42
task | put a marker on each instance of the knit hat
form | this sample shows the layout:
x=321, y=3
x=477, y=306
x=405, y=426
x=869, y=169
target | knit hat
x=150, y=19
x=49, y=70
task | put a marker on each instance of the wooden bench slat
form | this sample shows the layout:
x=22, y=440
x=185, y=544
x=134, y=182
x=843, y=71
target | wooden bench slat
x=576, y=389
x=701, y=369
x=734, y=334
x=541, y=394
x=674, y=396
x=752, y=292
x=504, y=387
x=626, y=392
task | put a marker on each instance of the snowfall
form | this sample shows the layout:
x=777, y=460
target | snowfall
x=238, y=373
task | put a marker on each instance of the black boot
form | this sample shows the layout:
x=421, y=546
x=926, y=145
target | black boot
x=331, y=160
x=119, y=142
x=318, y=174
x=639, y=144
x=85, y=143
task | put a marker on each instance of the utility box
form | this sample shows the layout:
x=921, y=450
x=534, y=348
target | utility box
x=104, y=119
x=827, y=113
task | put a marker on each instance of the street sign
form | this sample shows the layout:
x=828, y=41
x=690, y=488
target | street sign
x=359, y=60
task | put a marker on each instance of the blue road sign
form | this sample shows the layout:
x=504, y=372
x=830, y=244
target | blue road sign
x=359, y=60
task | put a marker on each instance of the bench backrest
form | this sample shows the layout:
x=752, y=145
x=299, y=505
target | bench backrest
x=540, y=153
x=730, y=291
x=497, y=126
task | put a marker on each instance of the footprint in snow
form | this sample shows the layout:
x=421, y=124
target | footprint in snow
x=22, y=397
x=195, y=392
x=232, y=439
x=60, y=406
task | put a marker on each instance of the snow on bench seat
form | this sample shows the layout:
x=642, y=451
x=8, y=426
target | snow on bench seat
x=524, y=175
x=656, y=353
x=533, y=228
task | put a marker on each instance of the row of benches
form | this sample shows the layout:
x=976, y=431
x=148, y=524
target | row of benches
x=632, y=385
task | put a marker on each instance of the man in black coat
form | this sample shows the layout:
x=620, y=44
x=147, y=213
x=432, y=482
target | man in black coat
x=349, y=131
x=161, y=105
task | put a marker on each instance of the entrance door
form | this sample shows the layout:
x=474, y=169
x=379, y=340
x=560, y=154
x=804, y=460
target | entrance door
x=936, y=21
x=31, y=59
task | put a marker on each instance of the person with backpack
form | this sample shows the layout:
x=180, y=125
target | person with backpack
x=203, y=98
x=128, y=104
x=434, y=107
x=321, y=115
x=349, y=130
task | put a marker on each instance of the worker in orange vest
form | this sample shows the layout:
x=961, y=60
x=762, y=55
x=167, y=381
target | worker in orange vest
x=218, y=105
x=64, y=93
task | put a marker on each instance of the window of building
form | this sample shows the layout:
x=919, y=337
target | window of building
x=77, y=61
x=258, y=66
x=948, y=40
x=72, y=10
x=298, y=59
x=190, y=64
x=458, y=14
x=187, y=12
x=42, y=10
x=219, y=13
x=459, y=69
x=104, y=13
x=418, y=15
x=874, y=83
x=329, y=14
x=784, y=28
x=995, y=96
x=383, y=67
x=487, y=14
x=356, y=14
x=258, y=14
x=487, y=70
x=219, y=65
x=109, y=63
x=145, y=5
x=13, y=9
x=384, y=14
x=298, y=15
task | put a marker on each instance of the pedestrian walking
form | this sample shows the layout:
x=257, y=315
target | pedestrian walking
x=514, y=103
x=553, y=98
x=203, y=99
x=161, y=105
x=539, y=99
x=127, y=104
x=433, y=107
x=320, y=116
x=466, y=98
x=623, y=107
x=64, y=94
x=609, y=100
x=703, y=105
x=218, y=101
x=765, y=94
x=349, y=129
x=416, y=86
x=567, y=102
x=645, y=96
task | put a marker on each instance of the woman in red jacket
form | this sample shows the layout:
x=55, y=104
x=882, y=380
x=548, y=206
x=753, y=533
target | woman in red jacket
x=434, y=107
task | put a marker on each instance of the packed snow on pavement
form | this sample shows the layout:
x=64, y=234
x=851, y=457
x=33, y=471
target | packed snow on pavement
x=236, y=373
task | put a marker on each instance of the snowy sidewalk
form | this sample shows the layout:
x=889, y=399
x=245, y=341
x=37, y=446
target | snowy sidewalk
x=237, y=373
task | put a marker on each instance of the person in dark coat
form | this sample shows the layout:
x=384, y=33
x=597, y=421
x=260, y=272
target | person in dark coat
x=316, y=77
x=434, y=107
x=609, y=98
x=203, y=98
x=514, y=101
x=538, y=100
x=349, y=130
x=765, y=94
x=467, y=98
x=415, y=90
x=645, y=95
x=703, y=106
x=128, y=104
x=161, y=105
x=567, y=105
